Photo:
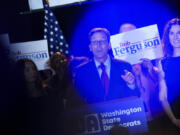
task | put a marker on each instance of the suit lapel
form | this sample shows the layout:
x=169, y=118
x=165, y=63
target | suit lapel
x=112, y=75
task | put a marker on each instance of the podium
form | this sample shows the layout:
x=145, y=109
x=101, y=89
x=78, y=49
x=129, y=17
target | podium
x=98, y=119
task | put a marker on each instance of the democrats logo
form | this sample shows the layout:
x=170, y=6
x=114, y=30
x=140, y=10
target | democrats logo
x=89, y=124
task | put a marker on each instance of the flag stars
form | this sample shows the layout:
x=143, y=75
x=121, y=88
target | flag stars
x=46, y=11
x=56, y=22
x=67, y=45
x=66, y=52
x=51, y=46
x=56, y=29
x=51, y=14
x=46, y=17
x=51, y=39
x=61, y=43
x=45, y=30
x=51, y=33
x=61, y=37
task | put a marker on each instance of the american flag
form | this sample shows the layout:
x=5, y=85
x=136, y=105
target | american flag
x=53, y=33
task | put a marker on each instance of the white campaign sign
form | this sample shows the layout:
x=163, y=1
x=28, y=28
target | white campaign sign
x=35, y=50
x=140, y=43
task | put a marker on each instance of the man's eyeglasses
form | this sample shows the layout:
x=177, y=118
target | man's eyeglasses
x=99, y=42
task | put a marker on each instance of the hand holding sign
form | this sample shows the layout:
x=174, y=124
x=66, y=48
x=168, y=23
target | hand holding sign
x=161, y=73
x=128, y=77
x=147, y=63
x=162, y=83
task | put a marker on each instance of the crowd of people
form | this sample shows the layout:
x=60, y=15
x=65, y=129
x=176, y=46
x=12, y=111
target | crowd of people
x=43, y=96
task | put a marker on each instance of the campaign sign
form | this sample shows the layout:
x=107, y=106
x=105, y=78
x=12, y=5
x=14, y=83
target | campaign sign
x=98, y=119
x=35, y=50
x=140, y=43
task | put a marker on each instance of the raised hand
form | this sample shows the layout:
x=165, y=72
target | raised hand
x=128, y=77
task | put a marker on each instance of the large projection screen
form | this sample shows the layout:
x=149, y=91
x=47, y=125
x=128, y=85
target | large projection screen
x=37, y=4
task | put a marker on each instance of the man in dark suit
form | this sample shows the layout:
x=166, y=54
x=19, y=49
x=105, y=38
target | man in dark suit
x=103, y=78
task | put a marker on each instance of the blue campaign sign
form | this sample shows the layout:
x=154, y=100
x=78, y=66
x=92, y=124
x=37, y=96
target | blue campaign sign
x=98, y=119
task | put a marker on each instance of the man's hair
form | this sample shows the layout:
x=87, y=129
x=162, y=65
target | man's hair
x=167, y=47
x=130, y=27
x=118, y=130
x=20, y=67
x=103, y=30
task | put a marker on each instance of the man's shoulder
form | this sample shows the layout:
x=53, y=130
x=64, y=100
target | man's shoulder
x=121, y=64
x=85, y=66
x=118, y=61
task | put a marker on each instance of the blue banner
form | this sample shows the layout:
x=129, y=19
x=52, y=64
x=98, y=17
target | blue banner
x=98, y=119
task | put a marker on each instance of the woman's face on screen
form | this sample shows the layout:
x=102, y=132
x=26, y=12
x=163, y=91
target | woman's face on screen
x=174, y=36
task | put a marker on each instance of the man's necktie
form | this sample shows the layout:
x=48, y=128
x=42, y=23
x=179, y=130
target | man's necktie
x=104, y=78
